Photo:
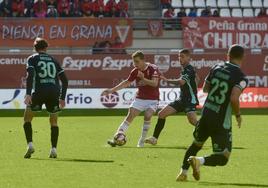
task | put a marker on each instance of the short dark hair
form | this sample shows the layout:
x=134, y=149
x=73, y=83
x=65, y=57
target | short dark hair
x=139, y=54
x=40, y=44
x=236, y=52
x=185, y=51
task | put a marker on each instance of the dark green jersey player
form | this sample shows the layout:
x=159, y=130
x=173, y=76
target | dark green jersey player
x=43, y=74
x=224, y=84
x=189, y=89
x=188, y=98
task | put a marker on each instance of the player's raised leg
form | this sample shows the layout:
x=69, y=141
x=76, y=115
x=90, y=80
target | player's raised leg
x=132, y=113
x=165, y=112
x=146, y=125
x=28, y=116
x=123, y=127
x=54, y=134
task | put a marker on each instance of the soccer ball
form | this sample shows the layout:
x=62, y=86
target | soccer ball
x=120, y=139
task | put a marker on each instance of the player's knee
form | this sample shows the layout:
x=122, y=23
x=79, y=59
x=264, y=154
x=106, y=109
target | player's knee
x=28, y=115
x=148, y=116
x=130, y=117
x=53, y=121
x=192, y=121
x=198, y=144
x=162, y=115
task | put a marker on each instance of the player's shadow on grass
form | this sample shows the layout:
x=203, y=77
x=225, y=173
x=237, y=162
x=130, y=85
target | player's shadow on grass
x=232, y=184
x=158, y=147
x=176, y=147
x=74, y=160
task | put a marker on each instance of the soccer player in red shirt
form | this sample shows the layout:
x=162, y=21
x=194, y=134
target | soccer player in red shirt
x=146, y=76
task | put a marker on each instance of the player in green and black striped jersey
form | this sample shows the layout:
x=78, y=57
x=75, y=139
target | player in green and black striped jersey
x=188, y=97
x=224, y=84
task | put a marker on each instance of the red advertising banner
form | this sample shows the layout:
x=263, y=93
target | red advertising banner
x=250, y=98
x=155, y=28
x=65, y=32
x=254, y=98
x=220, y=33
x=104, y=71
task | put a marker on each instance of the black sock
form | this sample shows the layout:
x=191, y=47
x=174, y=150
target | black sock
x=215, y=160
x=54, y=136
x=159, y=127
x=191, y=151
x=28, y=131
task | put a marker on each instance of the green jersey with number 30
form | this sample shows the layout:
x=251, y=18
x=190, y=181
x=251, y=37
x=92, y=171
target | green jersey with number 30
x=222, y=78
x=46, y=71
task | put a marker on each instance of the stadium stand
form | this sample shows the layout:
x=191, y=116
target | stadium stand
x=265, y=3
x=211, y=3
x=64, y=8
x=245, y=4
x=225, y=12
x=226, y=8
x=237, y=12
x=234, y=3
x=248, y=12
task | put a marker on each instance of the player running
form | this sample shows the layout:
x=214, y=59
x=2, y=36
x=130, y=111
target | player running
x=188, y=98
x=146, y=76
x=224, y=84
x=43, y=74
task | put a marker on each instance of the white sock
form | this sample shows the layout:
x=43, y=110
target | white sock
x=145, y=128
x=30, y=145
x=184, y=171
x=123, y=127
x=201, y=159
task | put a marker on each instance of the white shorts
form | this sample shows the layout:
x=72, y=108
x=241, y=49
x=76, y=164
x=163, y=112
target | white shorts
x=142, y=104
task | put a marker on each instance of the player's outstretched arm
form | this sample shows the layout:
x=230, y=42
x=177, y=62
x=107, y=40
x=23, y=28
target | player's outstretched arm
x=122, y=85
x=177, y=81
x=236, y=92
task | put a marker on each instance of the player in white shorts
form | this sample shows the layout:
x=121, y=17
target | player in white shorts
x=146, y=76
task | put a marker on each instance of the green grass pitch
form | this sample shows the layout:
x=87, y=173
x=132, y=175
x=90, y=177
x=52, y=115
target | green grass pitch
x=84, y=159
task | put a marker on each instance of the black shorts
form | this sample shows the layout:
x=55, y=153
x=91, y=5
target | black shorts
x=221, y=138
x=49, y=98
x=181, y=106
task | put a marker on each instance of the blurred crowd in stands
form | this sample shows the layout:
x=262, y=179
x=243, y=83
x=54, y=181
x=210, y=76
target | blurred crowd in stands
x=63, y=8
x=107, y=47
x=169, y=13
